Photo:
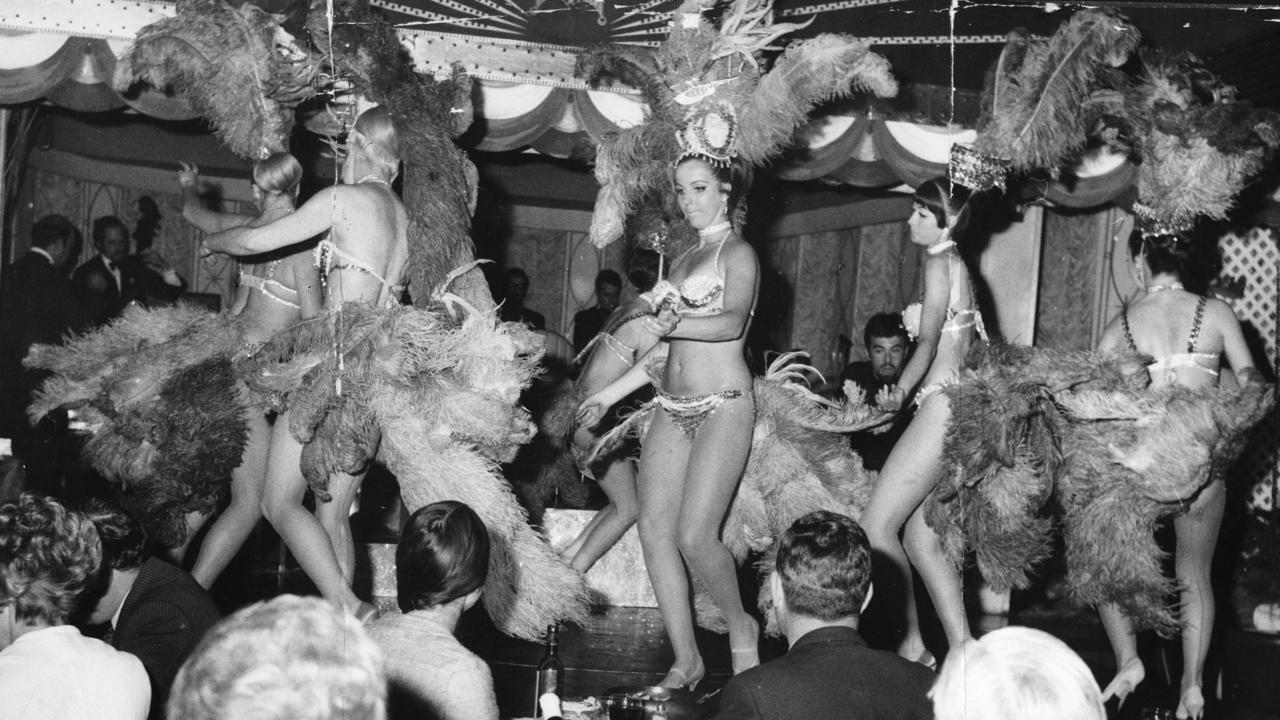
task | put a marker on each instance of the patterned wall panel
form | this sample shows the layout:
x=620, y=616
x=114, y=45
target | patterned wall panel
x=1255, y=258
x=1068, y=274
x=888, y=264
x=824, y=296
x=772, y=329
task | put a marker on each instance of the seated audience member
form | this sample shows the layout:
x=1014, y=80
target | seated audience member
x=588, y=323
x=888, y=349
x=514, y=293
x=441, y=564
x=49, y=556
x=820, y=584
x=1015, y=673
x=157, y=612
x=290, y=658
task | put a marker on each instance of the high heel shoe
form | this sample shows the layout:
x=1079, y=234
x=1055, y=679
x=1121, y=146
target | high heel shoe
x=678, y=678
x=928, y=660
x=745, y=658
x=1191, y=704
x=366, y=613
x=1128, y=677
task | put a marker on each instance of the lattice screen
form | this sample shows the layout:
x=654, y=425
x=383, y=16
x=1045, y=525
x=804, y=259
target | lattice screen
x=1255, y=258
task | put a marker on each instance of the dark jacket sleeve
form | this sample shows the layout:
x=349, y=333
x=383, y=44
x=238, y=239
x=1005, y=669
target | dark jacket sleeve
x=737, y=701
x=161, y=641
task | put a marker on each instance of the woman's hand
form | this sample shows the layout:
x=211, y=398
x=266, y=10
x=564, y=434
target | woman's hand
x=592, y=410
x=662, y=324
x=891, y=398
x=188, y=176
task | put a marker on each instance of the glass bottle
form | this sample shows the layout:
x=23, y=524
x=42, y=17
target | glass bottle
x=550, y=671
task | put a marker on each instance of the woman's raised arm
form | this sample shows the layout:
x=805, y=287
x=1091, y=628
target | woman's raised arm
x=315, y=216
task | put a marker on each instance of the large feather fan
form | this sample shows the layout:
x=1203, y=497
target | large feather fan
x=1034, y=95
x=234, y=64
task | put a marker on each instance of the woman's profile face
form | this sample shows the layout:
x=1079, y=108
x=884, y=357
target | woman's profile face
x=702, y=197
x=923, y=225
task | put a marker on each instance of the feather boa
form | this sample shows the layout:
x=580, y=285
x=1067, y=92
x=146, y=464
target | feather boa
x=165, y=415
x=1118, y=457
x=439, y=388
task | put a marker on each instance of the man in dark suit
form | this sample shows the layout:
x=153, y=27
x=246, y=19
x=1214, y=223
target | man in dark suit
x=36, y=306
x=157, y=611
x=821, y=581
x=888, y=349
x=587, y=323
x=105, y=284
x=512, y=308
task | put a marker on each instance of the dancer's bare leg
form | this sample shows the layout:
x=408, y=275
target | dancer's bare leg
x=940, y=576
x=660, y=490
x=1197, y=535
x=335, y=518
x=716, y=462
x=909, y=474
x=1129, y=668
x=619, y=485
x=282, y=505
x=237, y=521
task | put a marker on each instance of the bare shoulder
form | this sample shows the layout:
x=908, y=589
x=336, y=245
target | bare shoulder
x=739, y=252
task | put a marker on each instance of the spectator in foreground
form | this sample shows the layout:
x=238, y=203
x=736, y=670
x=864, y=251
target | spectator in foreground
x=157, y=611
x=820, y=584
x=1015, y=673
x=441, y=564
x=289, y=658
x=49, y=556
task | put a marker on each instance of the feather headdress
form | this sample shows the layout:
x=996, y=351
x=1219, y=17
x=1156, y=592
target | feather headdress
x=1198, y=144
x=234, y=64
x=711, y=96
x=1032, y=119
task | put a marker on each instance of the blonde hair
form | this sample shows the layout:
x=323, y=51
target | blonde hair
x=380, y=143
x=1015, y=673
x=277, y=174
x=290, y=658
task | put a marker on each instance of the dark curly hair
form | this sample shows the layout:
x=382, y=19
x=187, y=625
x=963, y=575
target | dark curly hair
x=124, y=542
x=49, y=556
x=443, y=554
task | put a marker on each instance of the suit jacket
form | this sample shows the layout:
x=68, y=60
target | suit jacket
x=36, y=306
x=587, y=324
x=97, y=292
x=830, y=674
x=162, y=619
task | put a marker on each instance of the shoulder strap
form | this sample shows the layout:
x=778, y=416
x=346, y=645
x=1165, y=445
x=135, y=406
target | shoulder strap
x=1195, y=325
x=1128, y=334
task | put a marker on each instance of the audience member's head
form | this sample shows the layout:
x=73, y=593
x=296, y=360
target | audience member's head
x=1015, y=673
x=49, y=556
x=517, y=286
x=124, y=549
x=608, y=289
x=55, y=235
x=822, y=570
x=886, y=340
x=443, y=556
x=111, y=237
x=642, y=268
x=291, y=658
